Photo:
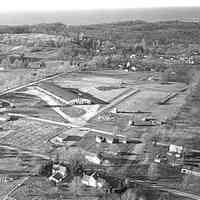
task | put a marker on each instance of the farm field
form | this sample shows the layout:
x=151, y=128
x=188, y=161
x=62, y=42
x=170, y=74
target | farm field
x=60, y=92
x=100, y=112
x=54, y=95
x=46, y=113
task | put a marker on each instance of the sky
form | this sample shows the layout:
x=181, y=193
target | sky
x=61, y=5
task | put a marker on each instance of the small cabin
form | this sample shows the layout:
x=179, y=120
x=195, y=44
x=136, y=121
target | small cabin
x=93, y=180
x=93, y=158
x=58, y=173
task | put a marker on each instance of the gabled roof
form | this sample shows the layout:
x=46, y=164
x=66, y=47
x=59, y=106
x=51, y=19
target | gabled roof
x=58, y=176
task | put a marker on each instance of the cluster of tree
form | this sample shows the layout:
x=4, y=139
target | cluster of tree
x=20, y=61
x=159, y=33
x=58, y=42
x=71, y=51
x=104, y=62
x=52, y=28
x=15, y=29
x=87, y=42
x=164, y=32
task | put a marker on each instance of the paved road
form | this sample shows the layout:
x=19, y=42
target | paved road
x=37, y=81
x=109, y=106
x=118, y=100
x=69, y=125
x=30, y=84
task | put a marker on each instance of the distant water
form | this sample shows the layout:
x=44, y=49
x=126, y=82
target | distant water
x=101, y=16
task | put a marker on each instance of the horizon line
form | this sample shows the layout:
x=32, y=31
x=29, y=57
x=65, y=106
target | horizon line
x=97, y=9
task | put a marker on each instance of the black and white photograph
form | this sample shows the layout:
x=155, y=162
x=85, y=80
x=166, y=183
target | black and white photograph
x=100, y=100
